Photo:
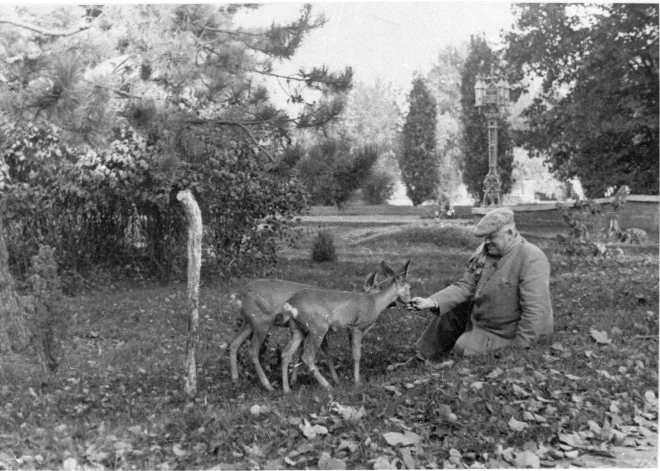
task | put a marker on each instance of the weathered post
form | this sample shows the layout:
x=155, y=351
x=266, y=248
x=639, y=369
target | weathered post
x=194, y=217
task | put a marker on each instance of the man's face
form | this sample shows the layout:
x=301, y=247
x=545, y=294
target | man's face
x=497, y=243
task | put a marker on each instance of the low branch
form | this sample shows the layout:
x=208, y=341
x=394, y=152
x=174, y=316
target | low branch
x=646, y=336
x=243, y=125
x=44, y=31
x=114, y=90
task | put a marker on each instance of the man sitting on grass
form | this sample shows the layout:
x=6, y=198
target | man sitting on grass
x=502, y=300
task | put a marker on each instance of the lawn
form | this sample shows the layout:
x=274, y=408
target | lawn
x=117, y=400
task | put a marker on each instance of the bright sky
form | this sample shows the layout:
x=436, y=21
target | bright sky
x=387, y=40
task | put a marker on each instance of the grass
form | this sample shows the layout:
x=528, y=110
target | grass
x=117, y=400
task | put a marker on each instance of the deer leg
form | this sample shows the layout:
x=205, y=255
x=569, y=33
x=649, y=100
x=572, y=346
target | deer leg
x=314, y=340
x=243, y=333
x=356, y=344
x=325, y=351
x=296, y=339
x=258, y=337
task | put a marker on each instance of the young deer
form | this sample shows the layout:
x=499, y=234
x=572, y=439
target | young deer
x=314, y=312
x=259, y=303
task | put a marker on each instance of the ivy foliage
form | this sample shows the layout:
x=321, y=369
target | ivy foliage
x=117, y=207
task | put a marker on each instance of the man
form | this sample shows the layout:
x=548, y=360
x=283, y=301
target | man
x=502, y=300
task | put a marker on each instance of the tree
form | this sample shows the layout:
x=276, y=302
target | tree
x=373, y=117
x=444, y=81
x=596, y=116
x=190, y=84
x=474, y=140
x=418, y=158
x=333, y=172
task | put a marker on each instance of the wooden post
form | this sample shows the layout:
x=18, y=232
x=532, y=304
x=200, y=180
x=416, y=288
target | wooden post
x=194, y=217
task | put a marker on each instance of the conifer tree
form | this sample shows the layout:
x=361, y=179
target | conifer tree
x=418, y=159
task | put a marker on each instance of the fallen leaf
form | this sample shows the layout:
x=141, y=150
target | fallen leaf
x=328, y=462
x=517, y=425
x=526, y=459
x=392, y=389
x=349, y=445
x=477, y=385
x=408, y=460
x=404, y=439
x=600, y=336
x=311, y=431
x=572, y=439
x=349, y=413
x=573, y=377
x=495, y=373
x=650, y=398
x=178, y=451
x=446, y=413
x=70, y=464
x=382, y=462
x=557, y=346
x=254, y=451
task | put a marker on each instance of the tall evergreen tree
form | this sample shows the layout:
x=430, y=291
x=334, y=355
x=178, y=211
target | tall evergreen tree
x=596, y=117
x=418, y=159
x=475, y=135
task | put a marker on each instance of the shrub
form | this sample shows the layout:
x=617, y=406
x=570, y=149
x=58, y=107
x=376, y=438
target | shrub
x=379, y=188
x=47, y=312
x=117, y=208
x=323, y=248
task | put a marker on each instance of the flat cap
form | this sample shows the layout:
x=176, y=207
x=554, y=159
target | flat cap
x=494, y=221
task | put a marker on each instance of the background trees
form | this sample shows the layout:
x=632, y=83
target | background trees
x=444, y=82
x=475, y=139
x=596, y=116
x=418, y=158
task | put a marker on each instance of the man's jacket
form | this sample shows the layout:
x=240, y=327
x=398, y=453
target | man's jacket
x=510, y=296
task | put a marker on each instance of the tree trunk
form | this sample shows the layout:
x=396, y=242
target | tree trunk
x=14, y=331
x=194, y=217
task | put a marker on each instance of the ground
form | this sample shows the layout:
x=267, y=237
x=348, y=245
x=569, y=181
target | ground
x=586, y=397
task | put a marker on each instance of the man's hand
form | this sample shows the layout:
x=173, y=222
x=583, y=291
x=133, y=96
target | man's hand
x=418, y=304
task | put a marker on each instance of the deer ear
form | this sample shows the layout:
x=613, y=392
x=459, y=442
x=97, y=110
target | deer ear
x=403, y=273
x=370, y=281
x=387, y=271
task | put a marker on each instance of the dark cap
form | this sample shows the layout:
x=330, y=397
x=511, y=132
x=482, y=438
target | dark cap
x=495, y=221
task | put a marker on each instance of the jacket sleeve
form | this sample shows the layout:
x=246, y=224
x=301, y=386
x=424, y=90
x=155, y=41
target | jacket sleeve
x=456, y=293
x=536, y=307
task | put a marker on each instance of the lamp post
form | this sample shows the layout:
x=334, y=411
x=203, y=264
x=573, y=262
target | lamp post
x=491, y=97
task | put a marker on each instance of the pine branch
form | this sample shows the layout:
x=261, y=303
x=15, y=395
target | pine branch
x=44, y=31
x=114, y=90
x=242, y=125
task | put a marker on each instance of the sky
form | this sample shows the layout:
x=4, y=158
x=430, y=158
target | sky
x=386, y=40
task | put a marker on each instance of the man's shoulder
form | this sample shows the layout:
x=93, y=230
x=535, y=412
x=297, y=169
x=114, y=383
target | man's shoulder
x=531, y=250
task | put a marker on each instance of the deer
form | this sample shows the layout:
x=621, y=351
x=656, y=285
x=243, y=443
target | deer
x=313, y=312
x=260, y=305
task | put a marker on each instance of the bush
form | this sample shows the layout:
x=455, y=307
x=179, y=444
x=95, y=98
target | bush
x=323, y=248
x=379, y=188
x=117, y=208
x=47, y=312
